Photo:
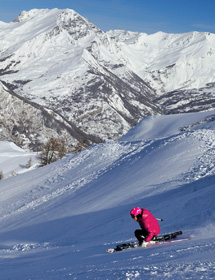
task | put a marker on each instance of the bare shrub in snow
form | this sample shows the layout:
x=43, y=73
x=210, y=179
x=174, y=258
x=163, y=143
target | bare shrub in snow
x=52, y=150
x=29, y=163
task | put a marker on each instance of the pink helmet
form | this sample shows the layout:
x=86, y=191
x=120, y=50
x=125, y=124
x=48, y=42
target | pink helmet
x=135, y=212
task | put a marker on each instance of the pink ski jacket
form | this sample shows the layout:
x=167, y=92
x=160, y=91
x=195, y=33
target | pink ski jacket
x=150, y=224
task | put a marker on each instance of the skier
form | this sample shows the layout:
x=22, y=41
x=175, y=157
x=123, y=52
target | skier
x=148, y=223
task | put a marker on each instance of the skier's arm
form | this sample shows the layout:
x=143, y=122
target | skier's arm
x=149, y=236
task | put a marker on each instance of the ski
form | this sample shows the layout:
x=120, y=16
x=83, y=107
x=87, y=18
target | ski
x=158, y=240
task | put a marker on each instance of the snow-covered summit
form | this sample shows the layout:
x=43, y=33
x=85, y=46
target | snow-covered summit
x=28, y=15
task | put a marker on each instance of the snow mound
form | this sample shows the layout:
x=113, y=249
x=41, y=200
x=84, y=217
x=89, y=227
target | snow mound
x=153, y=127
x=14, y=160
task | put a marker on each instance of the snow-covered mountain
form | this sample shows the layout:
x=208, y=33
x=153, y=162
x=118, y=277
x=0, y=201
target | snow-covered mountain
x=60, y=60
x=57, y=221
x=104, y=82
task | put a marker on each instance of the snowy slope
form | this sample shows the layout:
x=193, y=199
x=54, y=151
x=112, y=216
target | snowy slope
x=154, y=127
x=14, y=160
x=57, y=221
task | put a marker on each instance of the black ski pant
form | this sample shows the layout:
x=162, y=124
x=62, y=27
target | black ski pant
x=140, y=235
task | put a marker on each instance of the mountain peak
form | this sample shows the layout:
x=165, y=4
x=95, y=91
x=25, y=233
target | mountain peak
x=28, y=15
x=74, y=23
x=60, y=19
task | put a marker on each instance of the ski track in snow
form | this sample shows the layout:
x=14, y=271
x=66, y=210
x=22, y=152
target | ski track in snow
x=111, y=158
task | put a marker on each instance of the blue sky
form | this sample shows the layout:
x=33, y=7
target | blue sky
x=149, y=16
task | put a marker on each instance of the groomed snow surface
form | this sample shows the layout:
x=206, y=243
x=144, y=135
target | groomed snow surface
x=57, y=221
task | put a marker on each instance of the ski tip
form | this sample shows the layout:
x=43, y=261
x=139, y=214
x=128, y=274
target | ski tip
x=110, y=251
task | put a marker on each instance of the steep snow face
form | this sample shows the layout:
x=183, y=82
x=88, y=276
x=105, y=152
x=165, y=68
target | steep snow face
x=169, y=61
x=69, y=212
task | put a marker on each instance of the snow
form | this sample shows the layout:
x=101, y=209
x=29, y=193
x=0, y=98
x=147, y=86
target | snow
x=57, y=221
x=14, y=160
x=163, y=126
